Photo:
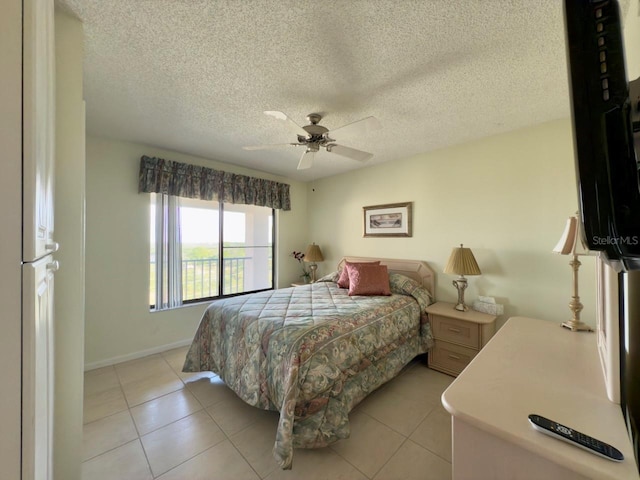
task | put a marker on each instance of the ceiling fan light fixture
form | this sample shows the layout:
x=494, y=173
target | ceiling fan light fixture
x=314, y=118
x=314, y=136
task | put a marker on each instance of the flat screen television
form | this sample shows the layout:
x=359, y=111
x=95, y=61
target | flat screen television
x=605, y=114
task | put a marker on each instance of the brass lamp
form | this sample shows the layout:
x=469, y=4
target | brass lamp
x=313, y=255
x=462, y=262
x=571, y=243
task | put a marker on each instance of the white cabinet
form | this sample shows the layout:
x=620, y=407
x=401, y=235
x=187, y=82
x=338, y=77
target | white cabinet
x=38, y=128
x=38, y=123
x=37, y=364
x=534, y=366
x=26, y=209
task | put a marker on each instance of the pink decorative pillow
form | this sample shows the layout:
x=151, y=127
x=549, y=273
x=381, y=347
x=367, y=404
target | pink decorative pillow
x=368, y=280
x=343, y=281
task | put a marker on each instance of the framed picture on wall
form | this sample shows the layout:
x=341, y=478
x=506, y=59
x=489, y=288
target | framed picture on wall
x=392, y=220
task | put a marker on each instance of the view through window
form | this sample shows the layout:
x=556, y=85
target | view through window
x=204, y=266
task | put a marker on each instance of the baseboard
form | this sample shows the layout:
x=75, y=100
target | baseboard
x=133, y=356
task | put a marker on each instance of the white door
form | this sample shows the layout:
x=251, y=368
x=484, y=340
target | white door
x=38, y=117
x=38, y=128
x=37, y=368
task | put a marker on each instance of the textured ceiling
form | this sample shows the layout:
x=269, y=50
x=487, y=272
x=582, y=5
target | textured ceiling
x=195, y=75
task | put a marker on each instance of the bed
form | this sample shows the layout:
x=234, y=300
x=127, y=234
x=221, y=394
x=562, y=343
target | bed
x=313, y=352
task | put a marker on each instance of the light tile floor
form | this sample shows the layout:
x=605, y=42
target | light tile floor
x=145, y=419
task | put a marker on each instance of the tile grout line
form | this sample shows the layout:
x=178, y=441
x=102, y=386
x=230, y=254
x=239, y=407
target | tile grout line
x=390, y=458
x=427, y=448
x=245, y=459
x=206, y=412
x=188, y=459
x=135, y=426
x=405, y=438
x=228, y=438
x=140, y=437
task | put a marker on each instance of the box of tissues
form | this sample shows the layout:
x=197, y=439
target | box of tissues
x=488, y=305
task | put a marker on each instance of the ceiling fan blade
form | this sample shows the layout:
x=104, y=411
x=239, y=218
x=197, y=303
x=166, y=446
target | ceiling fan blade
x=306, y=160
x=352, y=153
x=284, y=118
x=359, y=127
x=270, y=147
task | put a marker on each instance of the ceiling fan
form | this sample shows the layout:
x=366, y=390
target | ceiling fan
x=314, y=136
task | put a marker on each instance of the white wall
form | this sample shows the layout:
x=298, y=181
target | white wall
x=506, y=197
x=70, y=222
x=118, y=321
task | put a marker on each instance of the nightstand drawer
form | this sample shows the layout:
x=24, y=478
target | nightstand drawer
x=450, y=358
x=455, y=331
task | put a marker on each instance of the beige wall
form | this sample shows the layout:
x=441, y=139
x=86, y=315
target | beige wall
x=631, y=34
x=118, y=321
x=10, y=237
x=506, y=197
x=70, y=222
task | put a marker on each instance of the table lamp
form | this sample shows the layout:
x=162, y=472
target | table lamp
x=313, y=255
x=571, y=243
x=462, y=262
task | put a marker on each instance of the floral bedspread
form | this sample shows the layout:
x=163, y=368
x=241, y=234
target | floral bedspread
x=311, y=352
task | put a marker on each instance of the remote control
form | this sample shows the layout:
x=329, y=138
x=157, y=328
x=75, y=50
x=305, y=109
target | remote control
x=576, y=438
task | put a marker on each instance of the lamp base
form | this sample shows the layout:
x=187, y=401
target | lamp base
x=461, y=285
x=577, y=326
x=461, y=307
x=313, y=267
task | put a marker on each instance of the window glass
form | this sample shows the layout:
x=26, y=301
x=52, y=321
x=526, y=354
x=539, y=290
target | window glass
x=247, y=248
x=202, y=268
x=200, y=237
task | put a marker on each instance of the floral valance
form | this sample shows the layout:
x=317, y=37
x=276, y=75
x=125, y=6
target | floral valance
x=193, y=181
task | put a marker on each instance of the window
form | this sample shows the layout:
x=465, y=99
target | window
x=189, y=263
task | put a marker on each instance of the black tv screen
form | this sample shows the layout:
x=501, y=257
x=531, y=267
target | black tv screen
x=606, y=166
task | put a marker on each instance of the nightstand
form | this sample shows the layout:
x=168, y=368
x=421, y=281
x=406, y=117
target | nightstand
x=458, y=336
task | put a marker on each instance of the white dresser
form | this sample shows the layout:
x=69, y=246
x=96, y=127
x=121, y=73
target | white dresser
x=534, y=366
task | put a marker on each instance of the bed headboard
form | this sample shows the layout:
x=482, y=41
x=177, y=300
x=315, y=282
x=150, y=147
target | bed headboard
x=415, y=269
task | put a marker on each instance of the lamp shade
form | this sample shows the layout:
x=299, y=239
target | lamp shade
x=571, y=242
x=313, y=254
x=462, y=262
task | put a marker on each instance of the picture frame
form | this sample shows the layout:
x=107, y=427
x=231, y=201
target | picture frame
x=390, y=220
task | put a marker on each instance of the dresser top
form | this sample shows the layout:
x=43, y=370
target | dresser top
x=536, y=366
x=446, y=309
